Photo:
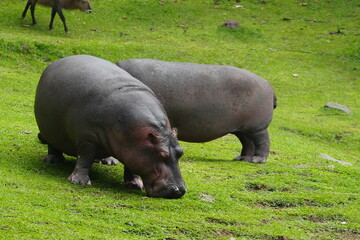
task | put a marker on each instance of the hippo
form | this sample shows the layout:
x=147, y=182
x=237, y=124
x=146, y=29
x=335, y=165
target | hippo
x=89, y=108
x=205, y=102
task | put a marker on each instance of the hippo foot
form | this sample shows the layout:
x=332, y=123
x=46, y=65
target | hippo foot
x=135, y=183
x=252, y=159
x=79, y=179
x=52, y=158
x=109, y=161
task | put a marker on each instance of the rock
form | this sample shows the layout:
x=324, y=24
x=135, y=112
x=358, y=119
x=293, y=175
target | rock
x=231, y=24
x=327, y=157
x=206, y=197
x=338, y=107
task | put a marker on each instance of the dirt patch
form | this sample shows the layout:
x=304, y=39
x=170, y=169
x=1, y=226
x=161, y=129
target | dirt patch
x=223, y=232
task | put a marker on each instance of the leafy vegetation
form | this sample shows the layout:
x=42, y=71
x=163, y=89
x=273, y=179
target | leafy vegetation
x=310, y=52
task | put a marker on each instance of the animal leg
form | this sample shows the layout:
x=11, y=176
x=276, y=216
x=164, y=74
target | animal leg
x=86, y=156
x=53, y=12
x=261, y=143
x=32, y=9
x=132, y=180
x=57, y=8
x=109, y=161
x=54, y=155
x=248, y=147
x=28, y=4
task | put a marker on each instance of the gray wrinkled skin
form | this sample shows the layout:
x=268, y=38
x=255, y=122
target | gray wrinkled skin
x=205, y=102
x=90, y=108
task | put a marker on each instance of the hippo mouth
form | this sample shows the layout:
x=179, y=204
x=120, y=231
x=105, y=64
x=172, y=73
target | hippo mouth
x=88, y=11
x=160, y=190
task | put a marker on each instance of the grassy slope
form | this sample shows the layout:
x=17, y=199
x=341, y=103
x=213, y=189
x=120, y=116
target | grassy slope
x=295, y=195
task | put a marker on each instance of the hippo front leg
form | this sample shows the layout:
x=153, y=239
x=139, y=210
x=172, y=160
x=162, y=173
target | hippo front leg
x=256, y=147
x=86, y=155
x=132, y=180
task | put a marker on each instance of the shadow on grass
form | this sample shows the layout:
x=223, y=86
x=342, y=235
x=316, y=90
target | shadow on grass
x=103, y=177
x=212, y=160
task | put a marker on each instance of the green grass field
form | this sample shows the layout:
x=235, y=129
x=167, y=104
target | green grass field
x=295, y=195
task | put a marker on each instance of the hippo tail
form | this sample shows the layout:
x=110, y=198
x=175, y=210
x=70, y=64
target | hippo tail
x=42, y=139
x=275, y=101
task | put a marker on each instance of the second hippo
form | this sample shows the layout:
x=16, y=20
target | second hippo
x=205, y=102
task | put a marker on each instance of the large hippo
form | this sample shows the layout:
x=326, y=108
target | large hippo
x=90, y=108
x=205, y=102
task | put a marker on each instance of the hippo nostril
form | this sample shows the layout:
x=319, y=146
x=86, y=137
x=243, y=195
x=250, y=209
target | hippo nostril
x=177, y=192
x=182, y=190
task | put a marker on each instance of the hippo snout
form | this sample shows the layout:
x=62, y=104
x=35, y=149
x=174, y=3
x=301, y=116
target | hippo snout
x=173, y=192
x=170, y=192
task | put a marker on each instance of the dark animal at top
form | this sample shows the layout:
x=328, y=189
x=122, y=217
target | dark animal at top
x=57, y=6
x=90, y=108
x=205, y=102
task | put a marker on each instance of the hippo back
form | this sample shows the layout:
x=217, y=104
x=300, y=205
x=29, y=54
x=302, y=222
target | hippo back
x=206, y=101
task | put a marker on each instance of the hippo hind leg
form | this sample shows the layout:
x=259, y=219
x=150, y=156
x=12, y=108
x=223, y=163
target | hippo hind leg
x=109, y=161
x=54, y=155
x=256, y=146
x=248, y=147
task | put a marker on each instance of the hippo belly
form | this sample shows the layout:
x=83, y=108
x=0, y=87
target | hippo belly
x=89, y=108
x=205, y=102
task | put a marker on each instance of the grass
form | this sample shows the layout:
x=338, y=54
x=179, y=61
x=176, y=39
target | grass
x=295, y=195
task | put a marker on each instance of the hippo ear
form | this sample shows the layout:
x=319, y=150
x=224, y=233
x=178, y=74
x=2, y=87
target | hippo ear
x=174, y=132
x=159, y=146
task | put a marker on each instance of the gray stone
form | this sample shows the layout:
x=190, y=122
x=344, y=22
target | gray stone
x=338, y=106
x=207, y=197
x=330, y=158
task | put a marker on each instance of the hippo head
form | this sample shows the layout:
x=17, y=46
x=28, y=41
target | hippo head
x=154, y=155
